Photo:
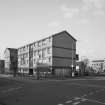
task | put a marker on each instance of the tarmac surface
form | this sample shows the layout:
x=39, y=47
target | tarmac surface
x=82, y=91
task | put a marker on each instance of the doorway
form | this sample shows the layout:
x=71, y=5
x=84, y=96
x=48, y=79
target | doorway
x=30, y=71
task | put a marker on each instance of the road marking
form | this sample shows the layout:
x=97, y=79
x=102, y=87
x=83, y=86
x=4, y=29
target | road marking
x=84, y=95
x=99, y=90
x=76, y=98
x=102, y=89
x=83, y=99
x=95, y=101
x=67, y=102
x=60, y=104
x=11, y=89
x=97, y=86
x=91, y=93
x=75, y=103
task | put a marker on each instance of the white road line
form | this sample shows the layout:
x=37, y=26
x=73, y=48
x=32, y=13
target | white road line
x=102, y=89
x=97, y=91
x=67, y=102
x=95, y=101
x=84, y=95
x=11, y=89
x=60, y=104
x=91, y=93
x=75, y=103
x=97, y=86
x=76, y=98
x=83, y=99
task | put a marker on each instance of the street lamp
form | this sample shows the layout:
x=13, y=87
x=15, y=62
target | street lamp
x=72, y=65
x=37, y=71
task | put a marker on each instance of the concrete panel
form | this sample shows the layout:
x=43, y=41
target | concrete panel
x=64, y=40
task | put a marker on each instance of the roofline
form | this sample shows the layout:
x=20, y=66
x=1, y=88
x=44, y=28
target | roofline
x=98, y=61
x=65, y=32
x=10, y=49
x=48, y=37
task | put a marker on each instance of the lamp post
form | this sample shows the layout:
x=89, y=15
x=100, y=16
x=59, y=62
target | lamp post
x=72, y=65
x=37, y=71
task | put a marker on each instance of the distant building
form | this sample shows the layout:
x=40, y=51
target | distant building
x=80, y=68
x=97, y=65
x=104, y=65
x=10, y=60
x=57, y=51
x=1, y=66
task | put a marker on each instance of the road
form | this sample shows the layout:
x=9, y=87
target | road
x=52, y=92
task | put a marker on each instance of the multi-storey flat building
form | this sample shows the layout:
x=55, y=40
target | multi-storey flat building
x=57, y=51
x=1, y=66
x=10, y=60
x=97, y=65
x=80, y=68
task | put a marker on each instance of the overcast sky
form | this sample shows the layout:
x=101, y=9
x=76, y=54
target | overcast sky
x=25, y=21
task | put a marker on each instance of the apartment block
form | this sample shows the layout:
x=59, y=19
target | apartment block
x=1, y=66
x=80, y=68
x=10, y=60
x=97, y=65
x=58, y=52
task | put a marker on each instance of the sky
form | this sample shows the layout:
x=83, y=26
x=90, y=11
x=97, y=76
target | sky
x=25, y=21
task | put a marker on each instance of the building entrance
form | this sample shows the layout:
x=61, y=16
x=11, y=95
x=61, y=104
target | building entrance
x=30, y=71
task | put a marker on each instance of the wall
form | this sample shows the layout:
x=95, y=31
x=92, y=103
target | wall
x=64, y=50
x=2, y=66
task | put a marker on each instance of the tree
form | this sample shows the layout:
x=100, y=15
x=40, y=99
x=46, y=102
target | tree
x=86, y=65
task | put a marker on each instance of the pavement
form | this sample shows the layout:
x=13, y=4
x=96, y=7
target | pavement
x=84, y=91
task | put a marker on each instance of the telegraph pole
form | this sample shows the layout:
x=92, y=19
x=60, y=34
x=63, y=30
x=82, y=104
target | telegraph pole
x=72, y=65
x=37, y=70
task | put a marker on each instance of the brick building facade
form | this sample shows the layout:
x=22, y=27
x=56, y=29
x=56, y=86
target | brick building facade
x=2, y=66
x=10, y=60
x=58, y=51
x=97, y=65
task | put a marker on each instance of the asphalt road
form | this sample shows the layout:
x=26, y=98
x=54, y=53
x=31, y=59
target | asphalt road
x=52, y=92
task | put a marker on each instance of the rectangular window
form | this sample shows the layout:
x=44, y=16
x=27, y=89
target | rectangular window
x=50, y=59
x=23, y=48
x=50, y=39
x=43, y=53
x=34, y=45
x=27, y=62
x=39, y=54
x=44, y=42
x=34, y=53
x=49, y=50
x=39, y=44
x=27, y=47
x=34, y=61
x=31, y=47
x=21, y=62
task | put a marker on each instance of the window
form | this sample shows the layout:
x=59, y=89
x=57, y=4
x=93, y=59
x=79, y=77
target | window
x=21, y=62
x=34, y=61
x=50, y=39
x=20, y=50
x=39, y=44
x=49, y=50
x=27, y=62
x=43, y=53
x=27, y=47
x=44, y=42
x=50, y=59
x=34, y=45
x=39, y=53
x=23, y=48
x=18, y=63
x=26, y=55
x=34, y=53
x=31, y=46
